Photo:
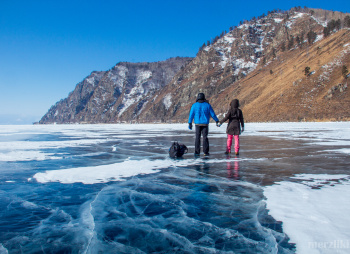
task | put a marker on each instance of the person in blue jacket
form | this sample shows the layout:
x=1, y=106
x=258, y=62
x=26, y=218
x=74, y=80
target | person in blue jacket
x=201, y=111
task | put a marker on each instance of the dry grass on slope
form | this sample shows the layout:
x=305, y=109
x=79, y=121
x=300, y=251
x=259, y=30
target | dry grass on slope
x=280, y=90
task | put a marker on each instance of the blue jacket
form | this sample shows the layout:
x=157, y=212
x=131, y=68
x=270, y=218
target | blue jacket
x=201, y=112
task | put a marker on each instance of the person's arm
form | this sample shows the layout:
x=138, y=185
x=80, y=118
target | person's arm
x=212, y=113
x=191, y=115
x=241, y=119
x=227, y=115
x=190, y=118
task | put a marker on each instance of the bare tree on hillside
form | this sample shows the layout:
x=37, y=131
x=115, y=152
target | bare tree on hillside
x=283, y=46
x=347, y=21
x=311, y=37
x=307, y=70
x=345, y=71
x=291, y=43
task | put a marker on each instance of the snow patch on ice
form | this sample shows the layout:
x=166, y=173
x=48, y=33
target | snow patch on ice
x=3, y=250
x=100, y=174
x=31, y=150
x=318, y=214
x=343, y=150
x=17, y=144
x=117, y=171
x=22, y=155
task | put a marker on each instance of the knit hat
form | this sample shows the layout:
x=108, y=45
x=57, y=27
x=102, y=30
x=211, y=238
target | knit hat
x=200, y=97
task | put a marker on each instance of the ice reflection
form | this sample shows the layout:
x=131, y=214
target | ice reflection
x=232, y=170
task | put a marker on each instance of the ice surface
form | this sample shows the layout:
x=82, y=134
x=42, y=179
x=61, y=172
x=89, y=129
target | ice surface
x=344, y=150
x=178, y=212
x=317, y=133
x=113, y=189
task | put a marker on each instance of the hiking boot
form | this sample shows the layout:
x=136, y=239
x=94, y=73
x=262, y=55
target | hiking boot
x=227, y=152
x=206, y=154
x=236, y=153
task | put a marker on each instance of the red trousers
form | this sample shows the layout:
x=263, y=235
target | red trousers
x=229, y=143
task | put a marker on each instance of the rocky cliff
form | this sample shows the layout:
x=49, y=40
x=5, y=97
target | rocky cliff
x=284, y=66
x=117, y=95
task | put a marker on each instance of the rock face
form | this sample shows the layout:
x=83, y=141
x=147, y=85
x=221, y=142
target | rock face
x=262, y=62
x=119, y=94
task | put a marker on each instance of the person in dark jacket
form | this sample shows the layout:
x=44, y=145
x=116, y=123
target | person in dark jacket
x=235, y=125
x=201, y=111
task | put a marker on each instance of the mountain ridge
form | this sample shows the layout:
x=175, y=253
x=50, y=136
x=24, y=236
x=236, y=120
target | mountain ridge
x=225, y=69
x=106, y=96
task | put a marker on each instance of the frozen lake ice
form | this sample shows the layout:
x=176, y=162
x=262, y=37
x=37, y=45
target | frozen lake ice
x=113, y=189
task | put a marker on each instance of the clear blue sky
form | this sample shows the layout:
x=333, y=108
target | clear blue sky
x=48, y=46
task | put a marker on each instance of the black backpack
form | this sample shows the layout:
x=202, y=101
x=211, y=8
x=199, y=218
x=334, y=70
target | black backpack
x=177, y=150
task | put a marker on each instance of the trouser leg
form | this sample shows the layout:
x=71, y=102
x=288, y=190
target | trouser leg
x=229, y=143
x=205, y=131
x=197, y=143
x=236, y=143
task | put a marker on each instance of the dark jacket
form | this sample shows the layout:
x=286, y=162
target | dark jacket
x=201, y=111
x=235, y=117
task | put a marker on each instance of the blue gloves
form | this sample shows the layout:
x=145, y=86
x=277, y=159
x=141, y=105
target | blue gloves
x=190, y=126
